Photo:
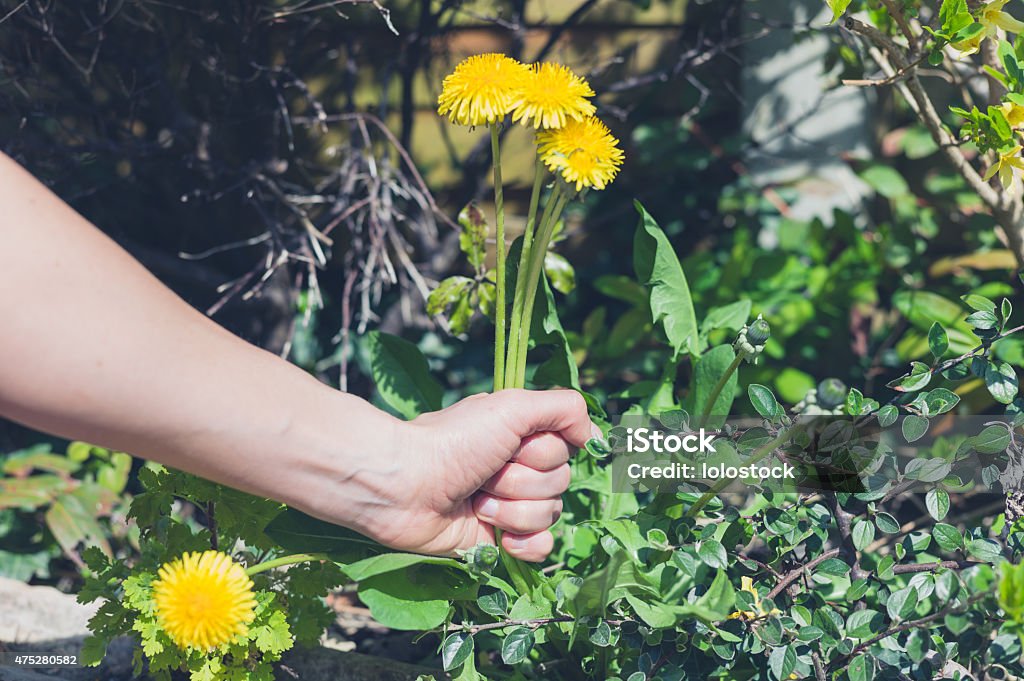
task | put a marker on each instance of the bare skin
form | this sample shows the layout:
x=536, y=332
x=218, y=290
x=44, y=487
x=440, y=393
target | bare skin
x=93, y=347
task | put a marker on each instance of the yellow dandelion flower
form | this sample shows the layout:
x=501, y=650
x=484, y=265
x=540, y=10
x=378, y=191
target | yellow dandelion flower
x=1006, y=166
x=550, y=95
x=584, y=152
x=203, y=600
x=481, y=90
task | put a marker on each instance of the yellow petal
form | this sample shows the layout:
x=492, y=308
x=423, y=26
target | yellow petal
x=1008, y=23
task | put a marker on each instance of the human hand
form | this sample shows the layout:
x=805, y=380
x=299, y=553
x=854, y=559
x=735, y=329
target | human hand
x=490, y=460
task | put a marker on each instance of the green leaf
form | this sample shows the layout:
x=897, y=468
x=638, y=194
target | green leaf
x=546, y=330
x=517, y=645
x=979, y=303
x=862, y=668
x=1001, y=381
x=72, y=523
x=885, y=180
x=456, y=649
x=655, y=615
x=887, y=415
x=719, y=598
x=886, y=523
x=473, y=238
x=402, y=375
x=864, y=623
x=732, y=316
x=296, y=532
x=398, y=604
x=601, y=635
x=854, y=402
x=937, y=503
x=658, y=268
x=984, y=549
x=494, y=603
x=902, y=603
x=763, y=400
x=560, y=273
x=919, y=377
x=782, y=662
x=713, y=554
x=992, y=440
x=710, y=367
x=914, y=427
x=938, y=340
x=947, y=537
x=982, y=320
x=837, y=7
x=389, y=562
x=863, y=534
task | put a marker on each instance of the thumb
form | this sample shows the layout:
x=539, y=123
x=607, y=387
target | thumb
x=559, y=411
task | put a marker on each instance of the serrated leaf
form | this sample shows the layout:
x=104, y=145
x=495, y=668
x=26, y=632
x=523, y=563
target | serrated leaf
x=657, y=267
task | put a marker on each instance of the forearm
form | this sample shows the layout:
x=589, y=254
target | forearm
x=94, y=347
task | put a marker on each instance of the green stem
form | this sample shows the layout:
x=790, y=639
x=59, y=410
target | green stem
x=713, y=397
x=499, y=221
x=524, y=259
x=556, y=203
x=284, y=560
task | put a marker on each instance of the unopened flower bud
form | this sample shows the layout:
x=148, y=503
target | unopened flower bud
x=759, y=332
x=831, y=393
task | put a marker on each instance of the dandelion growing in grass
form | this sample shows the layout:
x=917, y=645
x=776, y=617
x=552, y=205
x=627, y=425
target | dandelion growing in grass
x=550, y=96
x=481, y=90
x=584, y=152
x=204, y=600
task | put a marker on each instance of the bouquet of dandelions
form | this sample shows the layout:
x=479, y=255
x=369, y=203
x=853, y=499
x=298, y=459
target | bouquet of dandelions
x=575, y=152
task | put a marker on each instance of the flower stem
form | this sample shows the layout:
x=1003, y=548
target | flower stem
x=535, y=271
x=284, y=560
x=521, y=278
x=499, y=221
x=713, y=397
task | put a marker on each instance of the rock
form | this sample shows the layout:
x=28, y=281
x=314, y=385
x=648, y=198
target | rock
x=29, y=614
x=44, y=620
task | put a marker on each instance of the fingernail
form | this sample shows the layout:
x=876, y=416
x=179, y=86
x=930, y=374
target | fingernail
x=595, y=432
x=488, y=509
